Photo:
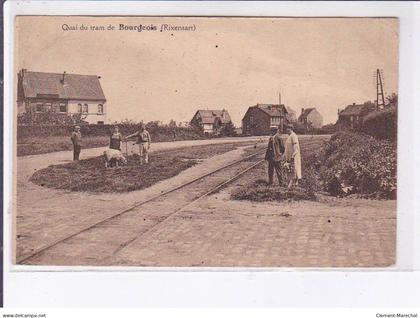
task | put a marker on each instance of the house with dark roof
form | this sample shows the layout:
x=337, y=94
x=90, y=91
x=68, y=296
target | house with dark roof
x=352, y=116
x=311, y=118
x=210, y=121
x=61, y=93
x=264, y=119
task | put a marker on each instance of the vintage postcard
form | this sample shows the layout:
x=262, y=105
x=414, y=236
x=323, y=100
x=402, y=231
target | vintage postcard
x=205, y=141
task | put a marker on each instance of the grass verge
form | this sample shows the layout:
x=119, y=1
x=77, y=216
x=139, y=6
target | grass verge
x=40, y=145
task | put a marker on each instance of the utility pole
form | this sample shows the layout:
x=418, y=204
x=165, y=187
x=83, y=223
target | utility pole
x=380, y=99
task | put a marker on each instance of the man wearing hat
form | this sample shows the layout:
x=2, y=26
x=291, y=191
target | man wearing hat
x=274, y=156
x=76, y=139
x=292, y=156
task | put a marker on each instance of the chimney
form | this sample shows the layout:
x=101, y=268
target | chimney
x=354, y=104
x=338, y=111
x=269, y=107
x=22, y=72
x=303, y=110
x=62, y=79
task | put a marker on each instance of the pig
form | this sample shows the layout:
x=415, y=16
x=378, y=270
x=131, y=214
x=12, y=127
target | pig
x=114, y=156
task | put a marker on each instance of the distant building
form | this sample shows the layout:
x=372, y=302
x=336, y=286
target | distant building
x=264, y=119
x=210, y=121
x=352, y=115
x=291, y=114
x=63, y=93
x=310, y=117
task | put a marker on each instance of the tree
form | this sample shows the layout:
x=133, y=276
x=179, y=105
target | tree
x=392, y=100
x=228, y=129
x=172, y=123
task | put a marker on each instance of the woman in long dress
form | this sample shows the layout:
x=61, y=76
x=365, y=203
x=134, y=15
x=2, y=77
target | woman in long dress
x=292, y=156
x=115, y=139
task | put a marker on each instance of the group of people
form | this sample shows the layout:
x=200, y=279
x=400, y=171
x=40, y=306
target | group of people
x=284, y=157
x=142, y=136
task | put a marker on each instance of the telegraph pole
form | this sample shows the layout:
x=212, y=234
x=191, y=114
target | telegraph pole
x=380, y=99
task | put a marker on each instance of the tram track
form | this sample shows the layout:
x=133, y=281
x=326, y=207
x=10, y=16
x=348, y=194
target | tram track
x=109, y=220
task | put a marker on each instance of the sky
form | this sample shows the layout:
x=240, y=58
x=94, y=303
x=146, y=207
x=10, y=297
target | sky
x=225, y=63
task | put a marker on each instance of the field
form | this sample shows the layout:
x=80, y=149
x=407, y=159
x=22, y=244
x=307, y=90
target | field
x=92, y=176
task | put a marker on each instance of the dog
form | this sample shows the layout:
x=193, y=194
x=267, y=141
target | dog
x=114, y=157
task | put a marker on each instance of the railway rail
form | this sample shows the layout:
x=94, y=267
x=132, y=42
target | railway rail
x=105, y=238
x=37, y=252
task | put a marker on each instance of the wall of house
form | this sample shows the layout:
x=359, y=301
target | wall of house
x=92, y=117
x=21, y=108
x=256, y=122
x=208, y=128
x=315, y=118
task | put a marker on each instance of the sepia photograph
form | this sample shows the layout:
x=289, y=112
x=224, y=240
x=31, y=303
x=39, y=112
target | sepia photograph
x=205, y=141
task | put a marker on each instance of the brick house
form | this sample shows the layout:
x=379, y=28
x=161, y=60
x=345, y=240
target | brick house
x=210, y=121
x=352, y=115
x=63, y=93
x=310, y=117
x=264, y=119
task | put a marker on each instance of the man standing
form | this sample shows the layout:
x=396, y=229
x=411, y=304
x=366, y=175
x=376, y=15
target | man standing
x=273, y=155
x=144, y=141
x=292, y=156
x=76, y=139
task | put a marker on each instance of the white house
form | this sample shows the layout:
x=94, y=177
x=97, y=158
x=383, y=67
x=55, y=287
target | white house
x=62, y=93
x=211, y=121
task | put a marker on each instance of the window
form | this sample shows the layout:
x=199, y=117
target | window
x=62, y=108
x=275, y=120
x=79, y=108
x=38, y=107
x=85, y=108
x=47, y=107
x=100, y=109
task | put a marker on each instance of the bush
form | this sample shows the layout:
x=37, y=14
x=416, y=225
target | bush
x=52, y=118
x=228, y=130
x=157, y=132
x=357, y=163
x=382, y=124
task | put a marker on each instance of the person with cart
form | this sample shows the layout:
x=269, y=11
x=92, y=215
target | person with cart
x=143, y=141
x=292, y=157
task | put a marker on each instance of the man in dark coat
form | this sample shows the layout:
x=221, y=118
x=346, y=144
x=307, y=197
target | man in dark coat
x=76, y=139
x=273, y=155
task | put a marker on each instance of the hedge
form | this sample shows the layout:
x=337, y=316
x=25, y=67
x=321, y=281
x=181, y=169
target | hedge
x=158, y=133
x=382, y=124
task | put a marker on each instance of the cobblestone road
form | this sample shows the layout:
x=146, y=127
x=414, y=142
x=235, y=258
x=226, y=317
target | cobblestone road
x=220, y=232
